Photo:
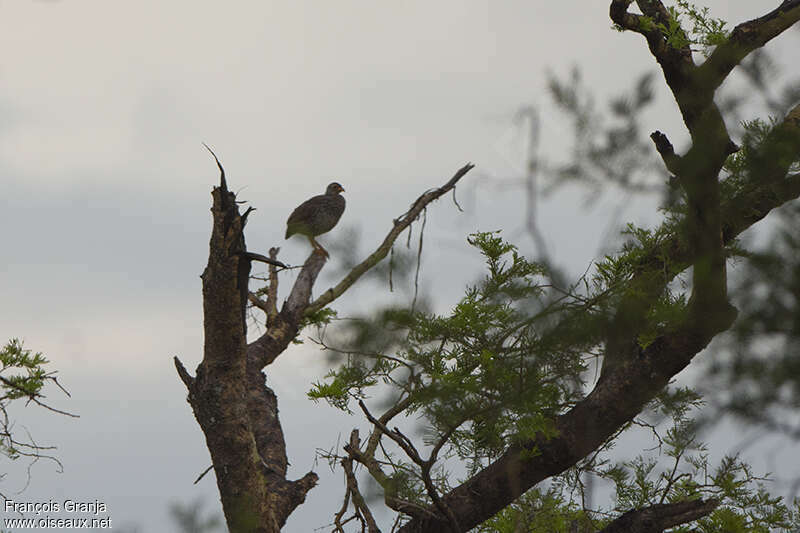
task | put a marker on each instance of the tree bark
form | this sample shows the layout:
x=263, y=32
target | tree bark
x=631, y=376
x=657, y=518
x=235, y=409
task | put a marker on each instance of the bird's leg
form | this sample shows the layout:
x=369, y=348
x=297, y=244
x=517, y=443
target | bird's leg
x=318, y=247
x=321, y=249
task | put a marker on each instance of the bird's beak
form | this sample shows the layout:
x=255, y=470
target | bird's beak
x=341, y=189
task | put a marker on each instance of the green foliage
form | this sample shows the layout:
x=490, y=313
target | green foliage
x=675, y=403
x=506, y=359
x=22, y=375
x=706, y=31
x=747, y=161
x=348, y=383
x=672, y=30
x=510, y=356
x=319, y=318
x=643, y=245
x=765, y=146
x=539, y=511
x=485, y=374
x=678, y=471
x=755, y=372
x=614, y=275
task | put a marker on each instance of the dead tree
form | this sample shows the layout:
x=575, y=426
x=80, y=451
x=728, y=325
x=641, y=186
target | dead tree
x=236, y=410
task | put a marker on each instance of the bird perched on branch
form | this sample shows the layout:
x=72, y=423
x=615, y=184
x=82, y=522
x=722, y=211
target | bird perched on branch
x=317, y=215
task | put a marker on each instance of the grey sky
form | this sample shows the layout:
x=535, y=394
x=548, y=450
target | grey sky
x=104, y=211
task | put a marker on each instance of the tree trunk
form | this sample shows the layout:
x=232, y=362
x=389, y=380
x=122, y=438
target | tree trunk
x=237, y=412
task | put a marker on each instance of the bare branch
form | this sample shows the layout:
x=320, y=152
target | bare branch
x=187, y=379
x=297, y=303
x=272, y=290
x=284, y=328
x=337, y=518
x=667, y=152
x=352, y=488
x=747, y=37
x=655, y=10
x=33, y=397
x=395, y=435
x=425, y=465
x=619, y=14
x=419, y=258
x=258, y=302
x=396, y=409
x=55, y=380
x=263, y=259
x=201, y=476
x=675, y=62
x=400, y=224
x=656, y=518
x=222, y=183
x=367, y=458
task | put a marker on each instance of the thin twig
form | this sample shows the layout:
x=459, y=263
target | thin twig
x=222, y=183
x=206, y=471
x=32, y=397
x=455, y=201
x=362, y=511
x=419, y=258
x=425, y=465
x=264, y=259
x=391, y=268
x=272, y=289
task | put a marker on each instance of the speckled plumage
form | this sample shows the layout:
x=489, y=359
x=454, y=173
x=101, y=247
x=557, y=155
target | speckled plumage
x=317, y=215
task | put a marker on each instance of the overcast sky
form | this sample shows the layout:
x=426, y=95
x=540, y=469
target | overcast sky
x=104, y=210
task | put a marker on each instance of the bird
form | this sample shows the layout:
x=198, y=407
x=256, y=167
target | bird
x=317, y=215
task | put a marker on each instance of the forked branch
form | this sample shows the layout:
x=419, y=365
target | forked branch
x=286, y=324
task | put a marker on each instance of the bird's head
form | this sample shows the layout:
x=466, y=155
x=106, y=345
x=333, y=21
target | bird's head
x=334, y=188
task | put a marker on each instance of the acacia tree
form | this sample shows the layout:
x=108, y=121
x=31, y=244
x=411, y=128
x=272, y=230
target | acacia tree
x=22, y=377
x=502, y=379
